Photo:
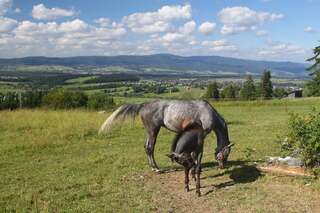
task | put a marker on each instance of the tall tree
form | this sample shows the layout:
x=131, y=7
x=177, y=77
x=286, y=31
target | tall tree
x=313, y=86
x=266, y=89
x=248, y=90
x=213, y=91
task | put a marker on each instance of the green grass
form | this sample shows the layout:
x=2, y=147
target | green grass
x=80, y=80
x=54, y=161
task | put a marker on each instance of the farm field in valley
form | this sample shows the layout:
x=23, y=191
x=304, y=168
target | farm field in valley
x=54, y=161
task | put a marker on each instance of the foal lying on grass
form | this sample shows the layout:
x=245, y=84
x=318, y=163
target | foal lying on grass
x=187, y=150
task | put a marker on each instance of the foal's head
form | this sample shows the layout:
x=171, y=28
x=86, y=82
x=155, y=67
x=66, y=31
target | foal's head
x=184, y=159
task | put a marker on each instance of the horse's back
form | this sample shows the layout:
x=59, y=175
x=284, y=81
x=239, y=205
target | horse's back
x=180, y=114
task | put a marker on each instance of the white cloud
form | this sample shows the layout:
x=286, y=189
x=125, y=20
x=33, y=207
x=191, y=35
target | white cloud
x=61, y=39
x=239, y=19
x=219, y=45
x=281, y=51
x=207, y=28
x=76, y=25
x=7, y=24
x=158, y=21
x=41, y=12
x=17, y=10
x=171, y=37
x=261, y=33
x=309, y=29
x=188, y=27
x=103, y=22
x=5, y=6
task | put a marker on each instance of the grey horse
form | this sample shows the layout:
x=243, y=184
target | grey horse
x=175, y=115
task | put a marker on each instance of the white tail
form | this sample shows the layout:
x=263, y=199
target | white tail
x=106, y=126
x=123, y=111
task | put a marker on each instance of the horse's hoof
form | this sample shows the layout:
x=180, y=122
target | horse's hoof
x=156, y=170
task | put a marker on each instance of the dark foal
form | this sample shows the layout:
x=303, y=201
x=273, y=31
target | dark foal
x=188, y=149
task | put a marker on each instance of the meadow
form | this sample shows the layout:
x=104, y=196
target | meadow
x=54, y=161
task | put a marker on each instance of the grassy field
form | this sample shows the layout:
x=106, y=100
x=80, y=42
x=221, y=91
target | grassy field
x=54, y=161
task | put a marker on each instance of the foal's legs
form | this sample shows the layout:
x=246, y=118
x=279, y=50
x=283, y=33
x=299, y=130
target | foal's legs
x=186, y=178
x=199, y=154
x=198, y=171
x=152, y=134
x=193, y=169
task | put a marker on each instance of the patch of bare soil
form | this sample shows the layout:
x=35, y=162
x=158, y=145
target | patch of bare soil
x=235, y=190
x=172, y=185
x=286, y=170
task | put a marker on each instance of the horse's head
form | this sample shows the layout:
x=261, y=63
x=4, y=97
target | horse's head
x=222, y=155
x=183, y=159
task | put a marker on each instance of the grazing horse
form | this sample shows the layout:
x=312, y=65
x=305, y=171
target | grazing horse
x=188, y=152
x=175, y=115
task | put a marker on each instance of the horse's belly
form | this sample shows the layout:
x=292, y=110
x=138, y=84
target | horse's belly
x=172, y=124
x=176, y=120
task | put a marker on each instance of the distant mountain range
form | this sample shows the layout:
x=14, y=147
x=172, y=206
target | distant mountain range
x=168, y=63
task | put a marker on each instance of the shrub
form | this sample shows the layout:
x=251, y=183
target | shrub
x=100, y=101
x=303, y=138
x=175, y=89
x=229, y=92
x=248, y=90
x=31, y=99
x=9, y=100
x=280, y=93
x=213, y=91
x=65, y=99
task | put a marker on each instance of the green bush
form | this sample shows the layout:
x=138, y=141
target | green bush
x=9, y=100
x=100, y=101
x=65, y=99
x=31, y=99
x=303, y=138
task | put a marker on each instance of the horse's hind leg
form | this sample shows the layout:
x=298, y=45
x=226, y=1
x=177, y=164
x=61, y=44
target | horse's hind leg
x=149, y=147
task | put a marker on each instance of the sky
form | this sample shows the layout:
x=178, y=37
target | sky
x=280, y=30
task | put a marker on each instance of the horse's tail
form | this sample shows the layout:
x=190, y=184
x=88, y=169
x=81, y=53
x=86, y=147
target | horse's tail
x=124, y=111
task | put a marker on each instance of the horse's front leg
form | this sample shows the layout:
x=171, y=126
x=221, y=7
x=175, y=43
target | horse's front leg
x=149, y=147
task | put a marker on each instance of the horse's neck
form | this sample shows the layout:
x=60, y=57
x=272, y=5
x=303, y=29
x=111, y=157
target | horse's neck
x=221, y=132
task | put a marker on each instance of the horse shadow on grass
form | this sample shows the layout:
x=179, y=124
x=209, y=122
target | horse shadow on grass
x=239, y=175
x=240, y=172
x=244, y=172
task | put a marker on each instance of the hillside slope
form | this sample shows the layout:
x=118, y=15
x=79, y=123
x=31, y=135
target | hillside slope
x=167, y=62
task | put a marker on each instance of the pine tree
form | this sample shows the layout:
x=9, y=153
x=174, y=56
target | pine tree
x=248, y=90
x=266, y=89
x=313, y=86
x=213, y=91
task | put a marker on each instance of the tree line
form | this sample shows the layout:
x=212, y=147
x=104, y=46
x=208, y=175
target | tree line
x=55, y=99
x=247, y=91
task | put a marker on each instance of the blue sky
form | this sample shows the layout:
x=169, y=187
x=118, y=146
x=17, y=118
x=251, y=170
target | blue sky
x=282, y=30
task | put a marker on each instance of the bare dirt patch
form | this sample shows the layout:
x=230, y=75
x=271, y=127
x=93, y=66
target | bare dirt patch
x=239, y=189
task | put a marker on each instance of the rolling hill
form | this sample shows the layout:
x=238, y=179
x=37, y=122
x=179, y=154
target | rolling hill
x=167, y=63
